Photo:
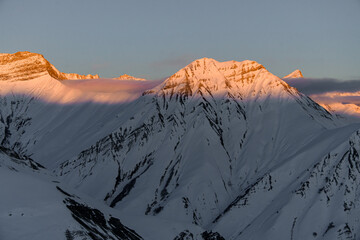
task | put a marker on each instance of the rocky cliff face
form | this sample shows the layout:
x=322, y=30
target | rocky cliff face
x=295, y=74
x=128, y=77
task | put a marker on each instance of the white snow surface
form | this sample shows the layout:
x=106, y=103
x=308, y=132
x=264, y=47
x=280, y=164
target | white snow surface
x=221, y=147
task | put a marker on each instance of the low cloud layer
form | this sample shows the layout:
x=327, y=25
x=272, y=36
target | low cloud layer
x=328, y=99
x=111, y=86
x=338, y=96
x=311, y=86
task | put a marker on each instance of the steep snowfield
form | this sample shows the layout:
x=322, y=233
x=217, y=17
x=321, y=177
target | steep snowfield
x=50, y=131
x=301, y=198
x=34, y=206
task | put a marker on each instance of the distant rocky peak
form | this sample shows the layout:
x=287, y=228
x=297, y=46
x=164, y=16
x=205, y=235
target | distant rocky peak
x=295, y=74
x=128, y=77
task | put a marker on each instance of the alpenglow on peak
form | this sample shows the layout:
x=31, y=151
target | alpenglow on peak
x=23, y=66
x=295, y=74
x=208, y=76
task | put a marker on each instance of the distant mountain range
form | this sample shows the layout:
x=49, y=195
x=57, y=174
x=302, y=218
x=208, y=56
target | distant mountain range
x=128, y=77
x=22, y=66
x=219, y=150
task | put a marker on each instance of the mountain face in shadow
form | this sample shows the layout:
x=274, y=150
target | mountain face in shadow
x=219, y=150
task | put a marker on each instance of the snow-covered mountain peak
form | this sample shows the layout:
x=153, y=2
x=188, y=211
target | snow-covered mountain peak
x=201, y=72
x=207, y=76
x=219, y=150
x=295, y=74
x=25, y=65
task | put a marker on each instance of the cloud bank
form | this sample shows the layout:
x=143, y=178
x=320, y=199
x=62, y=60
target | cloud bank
x=336, y=96
x=311, y=86
x=104, y=85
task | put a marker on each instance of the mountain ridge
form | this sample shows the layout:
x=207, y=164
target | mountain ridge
x=128, y=77
x=26, y=65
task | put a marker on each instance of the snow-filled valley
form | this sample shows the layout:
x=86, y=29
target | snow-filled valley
x=219, y=150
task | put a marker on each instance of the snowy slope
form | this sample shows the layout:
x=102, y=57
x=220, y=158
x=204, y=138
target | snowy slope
x=41, y=129
x=301, y=198
x=34, y=206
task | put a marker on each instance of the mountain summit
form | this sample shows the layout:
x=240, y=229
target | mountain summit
x=212, y=75
x=295, y=74
x=206, y=76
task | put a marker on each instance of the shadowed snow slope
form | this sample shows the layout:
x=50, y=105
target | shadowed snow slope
x=33, y=206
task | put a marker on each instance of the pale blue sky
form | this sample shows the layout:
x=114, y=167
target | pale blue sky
x=154, y=39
